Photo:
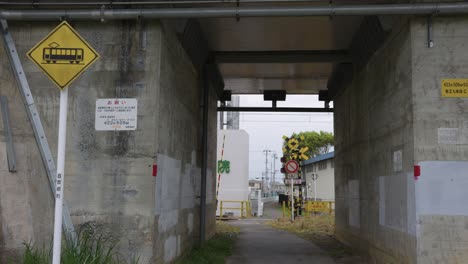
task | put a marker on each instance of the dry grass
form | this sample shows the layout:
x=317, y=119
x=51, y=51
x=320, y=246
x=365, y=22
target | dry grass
x=223, y=228
x=313, y=225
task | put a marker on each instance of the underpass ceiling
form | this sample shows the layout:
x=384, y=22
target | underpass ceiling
x=280, y=34
x=259, y=34
x=295, y=78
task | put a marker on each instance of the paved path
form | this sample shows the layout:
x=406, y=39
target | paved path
x=272, y=210
x=262, y=244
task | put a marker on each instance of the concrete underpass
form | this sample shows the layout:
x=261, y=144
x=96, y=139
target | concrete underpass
x=396, y=72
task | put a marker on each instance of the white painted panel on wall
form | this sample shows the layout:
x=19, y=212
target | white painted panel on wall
x=450, y=136
x=411, y=203
x=442, y=188
x=382, y=198
x=354, y=208
x=353, y=188
x=397, y=160
x=395, y=201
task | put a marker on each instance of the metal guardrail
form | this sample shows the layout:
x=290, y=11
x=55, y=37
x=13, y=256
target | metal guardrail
x=245, y=207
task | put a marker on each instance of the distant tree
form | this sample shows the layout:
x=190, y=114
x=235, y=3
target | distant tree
x=319, y=143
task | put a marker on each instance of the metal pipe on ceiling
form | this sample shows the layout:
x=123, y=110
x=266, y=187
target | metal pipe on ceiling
x=176, y=2
x=344, y=10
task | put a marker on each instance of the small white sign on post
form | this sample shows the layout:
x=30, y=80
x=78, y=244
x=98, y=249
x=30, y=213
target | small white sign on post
x=116, y=114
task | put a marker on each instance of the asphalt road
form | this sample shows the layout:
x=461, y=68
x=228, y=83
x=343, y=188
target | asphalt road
x=261, y=244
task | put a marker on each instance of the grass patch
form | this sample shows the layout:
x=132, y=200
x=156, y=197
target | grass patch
x=215, y=250
x=94, y=246
x=313, y=225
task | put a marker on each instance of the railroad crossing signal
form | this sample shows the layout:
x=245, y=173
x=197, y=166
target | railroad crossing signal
x=293, y=147
x=63, y=55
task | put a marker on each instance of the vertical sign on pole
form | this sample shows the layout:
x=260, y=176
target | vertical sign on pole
x=292, y=197
x=292, y=168
x=62, y=55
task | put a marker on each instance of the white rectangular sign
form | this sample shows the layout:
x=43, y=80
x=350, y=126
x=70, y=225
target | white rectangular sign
x=295, y=181
x=116, y=114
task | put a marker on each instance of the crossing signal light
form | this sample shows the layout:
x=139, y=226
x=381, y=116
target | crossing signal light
x=283, y=159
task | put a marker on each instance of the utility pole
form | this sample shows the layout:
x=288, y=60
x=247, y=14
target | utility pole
x=273, y=186
x=266, y=168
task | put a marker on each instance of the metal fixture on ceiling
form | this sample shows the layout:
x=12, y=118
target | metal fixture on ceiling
x=276, y=109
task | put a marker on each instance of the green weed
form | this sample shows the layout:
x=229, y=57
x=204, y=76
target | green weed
x=93, y=246
x=34, y=255
x=215, y=250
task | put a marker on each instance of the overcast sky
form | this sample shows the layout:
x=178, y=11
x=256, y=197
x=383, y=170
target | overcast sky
x=267, y=129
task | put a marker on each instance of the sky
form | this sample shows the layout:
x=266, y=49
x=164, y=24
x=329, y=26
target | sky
x=267, y=129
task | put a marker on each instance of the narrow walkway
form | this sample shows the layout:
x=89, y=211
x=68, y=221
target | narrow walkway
x=259, y=243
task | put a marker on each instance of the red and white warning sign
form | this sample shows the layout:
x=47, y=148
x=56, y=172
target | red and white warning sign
x=291, y=166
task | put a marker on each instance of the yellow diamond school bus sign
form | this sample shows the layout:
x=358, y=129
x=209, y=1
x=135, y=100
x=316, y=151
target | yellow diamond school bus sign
x=63, y=55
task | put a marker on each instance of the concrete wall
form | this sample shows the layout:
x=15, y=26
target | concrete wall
x=26, y=205
x=441, y=145
x=373, y=129
x=233, y=186
x=391, y=117
x=108, y=174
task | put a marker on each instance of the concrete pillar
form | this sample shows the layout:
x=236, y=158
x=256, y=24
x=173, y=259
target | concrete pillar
x=109, y=174
x=440, y=141
x=390, y=118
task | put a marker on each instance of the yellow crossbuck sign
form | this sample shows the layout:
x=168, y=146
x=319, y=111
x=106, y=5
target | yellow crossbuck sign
x=63, y=55
x=292, y=146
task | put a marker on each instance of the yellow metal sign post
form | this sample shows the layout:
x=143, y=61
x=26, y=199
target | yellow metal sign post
x=62, y=55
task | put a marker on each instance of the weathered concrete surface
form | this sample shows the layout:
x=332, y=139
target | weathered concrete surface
x=442, y=214
x=26, y=205
x=373, y=120
x=389, y=119
x=261, y=244
x=108, y=177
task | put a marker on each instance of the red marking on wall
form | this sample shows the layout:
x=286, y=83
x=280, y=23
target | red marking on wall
x=417, y=171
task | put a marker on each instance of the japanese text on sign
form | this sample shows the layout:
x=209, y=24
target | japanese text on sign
x=116, y=114
x=318, y=206
x=455, y=88
x=224, y=166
